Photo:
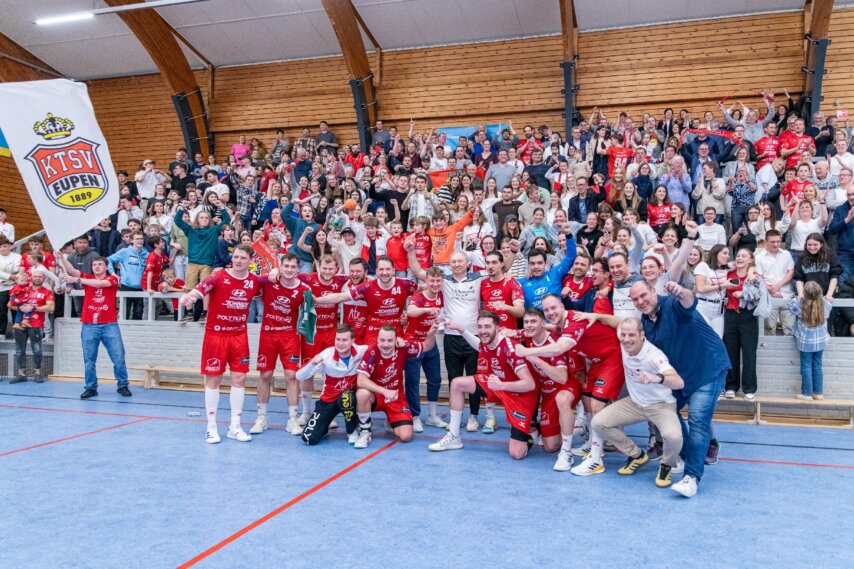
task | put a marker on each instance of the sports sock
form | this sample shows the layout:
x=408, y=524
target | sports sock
x=596, y=445
x=238, y=394
x=432, y=405
x=292, y=412
x=211, y=403
x=305, y=397
x=456, y=419
x=567, y=442
x=364, y=421
x=262, y=409
x=490, y=410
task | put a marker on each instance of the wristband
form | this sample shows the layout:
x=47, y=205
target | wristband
x=661, y=376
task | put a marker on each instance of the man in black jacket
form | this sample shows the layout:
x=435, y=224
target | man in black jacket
x=583, y=203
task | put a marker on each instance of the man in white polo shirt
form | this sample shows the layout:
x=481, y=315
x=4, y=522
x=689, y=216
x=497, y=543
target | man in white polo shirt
x=650, y=380
x=777, y=268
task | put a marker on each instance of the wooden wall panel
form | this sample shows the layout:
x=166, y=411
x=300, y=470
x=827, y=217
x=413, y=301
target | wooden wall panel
x=839, y=81
x=15, y=199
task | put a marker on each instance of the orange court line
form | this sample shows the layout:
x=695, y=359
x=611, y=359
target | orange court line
x=283, y=507
x=7, y=453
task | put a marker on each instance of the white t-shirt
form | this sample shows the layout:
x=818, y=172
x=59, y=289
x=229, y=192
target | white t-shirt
x=801, y=230
x=462, y=301
x=773, y=268
x=651, y=360
x=836, y=167
x=710, y=235
x=710, y=309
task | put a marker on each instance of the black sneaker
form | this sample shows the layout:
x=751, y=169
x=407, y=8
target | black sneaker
x=87, y=393
x=20, y=378
x=712, y=453
x=38, y=377
x=124, y=391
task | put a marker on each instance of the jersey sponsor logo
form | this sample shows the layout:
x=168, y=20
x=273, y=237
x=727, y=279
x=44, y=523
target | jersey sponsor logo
x=545, y=419
x=238, y=293
x=599, y=383
x=234, y=305
x=294, y=359
x=244, y=360
x=389, y=303
x=262, y=361
x=519, y=415
x=213, y=364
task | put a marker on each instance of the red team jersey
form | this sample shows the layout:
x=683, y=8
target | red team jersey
x=35, y=298
x=505, y=291
x=279, y=339
x=385, y=306
x=99, y=304
x=549, y=388
x=355, y=314
x=48, y=261
x=618, y=157
x=576, y=289
x=599, y=344
x=658, y=214
x=417, y=327
x=795, y=190
x=394, y=249
x=153, y=266
x=503, y=362
x=388, y=373
x=769, y=144
x=423, y=249
x=789, y=140
x=327, y=314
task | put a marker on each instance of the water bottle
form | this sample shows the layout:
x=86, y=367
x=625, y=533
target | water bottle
x=194, y=414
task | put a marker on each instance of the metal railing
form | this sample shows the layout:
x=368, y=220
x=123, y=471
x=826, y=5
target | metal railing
x=123, y=295
x=19, y=243
x=784, y=303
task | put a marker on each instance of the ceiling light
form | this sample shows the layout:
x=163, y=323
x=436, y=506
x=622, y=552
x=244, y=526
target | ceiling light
x=73, y=17
x=88, y=15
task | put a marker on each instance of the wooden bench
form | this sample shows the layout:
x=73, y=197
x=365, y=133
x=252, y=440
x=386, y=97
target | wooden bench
x=791, y=401
x=153, y=371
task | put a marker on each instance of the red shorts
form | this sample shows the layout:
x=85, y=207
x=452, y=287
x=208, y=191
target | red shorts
x=219, y=350
x=322, y=339
x=549, y=414
x=274, y=346
x=397, y=411
x=605, y=379
x=519, y=407
x=373, y=330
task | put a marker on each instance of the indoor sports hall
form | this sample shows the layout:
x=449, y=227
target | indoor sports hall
x=426, y=283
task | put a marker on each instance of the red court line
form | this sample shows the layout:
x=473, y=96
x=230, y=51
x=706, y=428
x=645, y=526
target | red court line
x=7, y=453
x=284, y=507
x=785, y=463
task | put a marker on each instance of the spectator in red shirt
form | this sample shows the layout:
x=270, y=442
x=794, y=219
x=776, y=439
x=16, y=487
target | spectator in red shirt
x=793, y=143
x=527, y=146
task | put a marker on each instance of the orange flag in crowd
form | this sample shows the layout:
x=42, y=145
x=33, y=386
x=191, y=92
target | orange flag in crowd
x=265, y=258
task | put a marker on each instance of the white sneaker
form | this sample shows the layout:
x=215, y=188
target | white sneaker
x=417, y=427
x=564, y=461
x=294, y=427
x=353, y=437
x=260, y=425
x=363, y=439
x=435, y=421
x=686, y=487
x=583, y=450
x=303, y=419
x=589, y=467
x=750, y=397
x=448, y=442
x=239, y=435
x=489, y=426
x=212, y=436
x=679, y=468
x=333, y=424
x=729, y=394
x=472, y=425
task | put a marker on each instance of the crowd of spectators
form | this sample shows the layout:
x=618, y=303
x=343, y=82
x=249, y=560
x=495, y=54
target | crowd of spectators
x=770, y=189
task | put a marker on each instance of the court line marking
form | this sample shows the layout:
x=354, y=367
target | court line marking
x=429, y=437
x=210, y=551
x=7, y=453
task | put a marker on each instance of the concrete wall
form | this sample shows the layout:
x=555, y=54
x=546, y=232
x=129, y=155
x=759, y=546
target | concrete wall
x=179, y=345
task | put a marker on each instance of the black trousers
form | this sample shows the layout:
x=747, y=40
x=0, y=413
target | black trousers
x=741, y=337
x=133, y=306
x=460, y=360
x=318, y=423
x=4, y=311
x=34, y=335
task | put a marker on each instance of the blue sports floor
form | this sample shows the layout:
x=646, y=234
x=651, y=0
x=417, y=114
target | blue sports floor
x=125, y=483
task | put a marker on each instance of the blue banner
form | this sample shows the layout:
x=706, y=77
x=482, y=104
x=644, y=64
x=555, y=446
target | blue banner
x=455, y=132
x=4, y=146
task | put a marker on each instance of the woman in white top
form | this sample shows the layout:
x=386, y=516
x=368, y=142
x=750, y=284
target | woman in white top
x=805, y=224
x=554, y=205
x=160, y=217
x=658, y=273
x=476, y=230
x=768, y=220
x=710, y=287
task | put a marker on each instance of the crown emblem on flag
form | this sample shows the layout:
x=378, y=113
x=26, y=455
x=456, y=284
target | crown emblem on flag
x=53, y=127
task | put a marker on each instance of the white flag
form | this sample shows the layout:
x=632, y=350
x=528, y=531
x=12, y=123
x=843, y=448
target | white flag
x=61, y=153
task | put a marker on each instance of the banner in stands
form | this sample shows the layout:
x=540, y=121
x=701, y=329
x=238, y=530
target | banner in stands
x=59, y=149
x=440, y=178
x=265, y=259
x=453, y=133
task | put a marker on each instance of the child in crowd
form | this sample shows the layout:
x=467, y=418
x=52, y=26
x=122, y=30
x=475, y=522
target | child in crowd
x=171, y=284
x=18, y=297
x=811, y=337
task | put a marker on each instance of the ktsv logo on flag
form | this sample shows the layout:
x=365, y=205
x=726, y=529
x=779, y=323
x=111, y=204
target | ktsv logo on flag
x=69, y=171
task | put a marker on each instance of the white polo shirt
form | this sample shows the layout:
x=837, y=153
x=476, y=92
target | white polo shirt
x=774, y=267
x=651, y=360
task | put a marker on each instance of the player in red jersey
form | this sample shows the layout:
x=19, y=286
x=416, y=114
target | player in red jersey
x=226, y=343
x=577, y=283
x=768, y=147
x=598, y=343
x=501, y=376
x=794, y=142
x=283, y=296
x=99, y=324
x=618, y=155
x=794, y=192
x=385, y=298
x=560, y=388
x=380, y=384
x=325, y=282
x=355, y=312
x=501, y=293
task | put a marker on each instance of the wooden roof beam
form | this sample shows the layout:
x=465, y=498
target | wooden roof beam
x=18, y=64
x=569, y=29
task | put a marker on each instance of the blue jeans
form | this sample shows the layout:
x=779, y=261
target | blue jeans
x=305, y=266
x=412, y=379
x=93, y=335
x=846, y=259
x=256, y=310
x=812, y=373
x=697, y=431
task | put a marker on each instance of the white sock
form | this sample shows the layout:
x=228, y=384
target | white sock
x=490, y=410
x=432, y=406
x=581, y=418
x=262, y=409
x=596, y=445
x=305, y=397
x=238, y=394
x=292, y=412
x=211, y=403
x=364, y=421
x=456, y=419
x=567, y=442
